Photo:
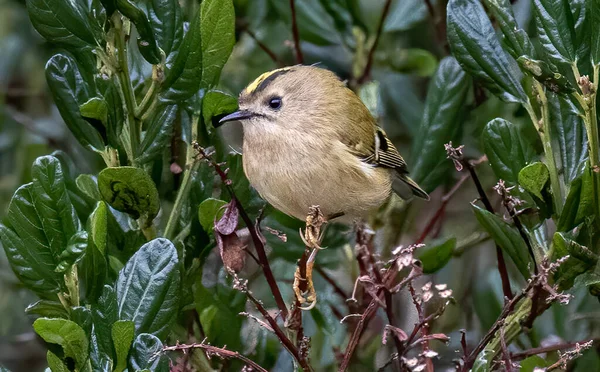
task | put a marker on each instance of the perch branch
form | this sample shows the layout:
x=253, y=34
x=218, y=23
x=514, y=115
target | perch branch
x=210, y=350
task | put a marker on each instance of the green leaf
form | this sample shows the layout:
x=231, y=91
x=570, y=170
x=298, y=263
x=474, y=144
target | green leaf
x=76, y=246
x=568, y=131
x=158, y=136
x=95, y=108
x=474, y=44
x=147, y=355
x=48, y=309
x=415, y=61
x=441, y=122
x=529, y=364
x=594, y=15
x=404, y=15
x=515, y=39
x=123, y=332
x=185, y=77
x=507, y=237
x=166, y=21
x=94, y=268
x=146, y=42
x=579, y=203
x=55, y=364
x=64, y=22
x=215, y=104
x=507, y=149
x=148, y=288
x=209, y=211
x=70, y=90
x=437, y=256
x=314, y=24
x=246, y=195
x=534, y=178
x=66, y=334
x=556, y=29
x=580, y=259
x=129, y=190
x=546, y=74
x=104, y=315
x=218, y=38
x=40, y=222
x=88, y=186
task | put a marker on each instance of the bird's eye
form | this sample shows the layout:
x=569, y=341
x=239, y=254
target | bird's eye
x=275, y=103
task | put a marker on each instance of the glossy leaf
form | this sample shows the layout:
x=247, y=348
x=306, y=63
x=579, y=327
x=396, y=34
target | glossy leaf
x=148, y=288
x=40, y=222
x=146, y=41
x=48, y=309
x=129, y=190
x=507, y=237
x=104, y=315
x=185, y=76
x=556, y=28
x=147, y=355
x=580, y=260
x=88, y=186
x=404, y=15
x=64, y=23
x=158, y=136
x=123, y=332
x=314, y=24
x=515, y=39
x=70, y=90
x=546, y=74
x=209, y=211
x=534, y=179
x=441, y=122
x=95, y=265
x=594, y=14
x=68, y=335
x=579, y=203
x=474, y=44
x=568, y=130
x=55, y=364
x=437, y=256
x=507, y=149
x=167, y=23
x=218, y=38
x=215, y=104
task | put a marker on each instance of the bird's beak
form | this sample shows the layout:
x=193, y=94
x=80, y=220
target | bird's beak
x=238, y=115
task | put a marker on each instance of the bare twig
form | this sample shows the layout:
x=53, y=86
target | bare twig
x=367, y=71
x=570, y=355
x=546, y=349
x=336, y=288
x=296, y=33
x=259, y=244
x=264, y=47
x=210, y=350
x=456, y=155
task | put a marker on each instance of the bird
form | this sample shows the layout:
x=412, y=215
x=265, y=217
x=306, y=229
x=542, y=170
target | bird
x=309, y=140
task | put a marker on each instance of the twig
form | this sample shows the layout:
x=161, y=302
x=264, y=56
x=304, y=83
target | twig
x=296, y=34
x=264, y=47
x=29, y=124
x=259, y=244
x=213, y=350
x=456, y=155
x=505, y=354
x=367, y=71
x=547, y=349
x=336, y=288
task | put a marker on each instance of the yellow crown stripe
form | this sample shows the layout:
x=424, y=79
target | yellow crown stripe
x=252, y=86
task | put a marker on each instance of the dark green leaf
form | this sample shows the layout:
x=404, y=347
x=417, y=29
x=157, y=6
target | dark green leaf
x=209, y=211
x=104, y=314
x=580, y=259
x=507, y=149
x=55, y=364
x=83, y=317
x=594, y=14
x=88, y=186
x=246, y=195
x=556, y=28
x=415, y=61
x=534, y=178
x=436, y=256
x=95, y=108
x=515, y=39
x=215, y=104
x=185, y=77
x=147, y=355
x=158, y=136
x=148, y=288
x=76, y=246
x=70, y=90
x=506, y=236
x=404, y=15
x=49, y=309
x=167, y=23
x=66, y=334
x=568, y=131
x=441, y=122
x=218, y=24
x=95, y=265
x=314, y=24
x=40, y=222
x=146, y=42
x=129, y=190
x=475, y=46
x=115, y=117
x=546, y=74
x=64, y=22
x=579, y=203
x=123, y=332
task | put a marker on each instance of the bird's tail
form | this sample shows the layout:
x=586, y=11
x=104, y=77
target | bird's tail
x=405, y=187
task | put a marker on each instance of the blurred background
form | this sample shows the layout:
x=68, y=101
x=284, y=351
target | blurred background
x=413, y=43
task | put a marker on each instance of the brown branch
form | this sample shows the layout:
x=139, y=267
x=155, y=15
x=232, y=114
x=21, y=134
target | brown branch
x=456, y=155
x=213, y=350
x=259, y=244
x=264, y=47
x=296, y=34
x=547, y=349
x=336, y=288
x=367, y=71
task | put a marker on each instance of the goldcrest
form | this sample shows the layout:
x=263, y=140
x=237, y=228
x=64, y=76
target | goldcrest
x=310, y=140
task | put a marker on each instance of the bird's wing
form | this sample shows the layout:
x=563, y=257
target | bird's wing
x=381, y=152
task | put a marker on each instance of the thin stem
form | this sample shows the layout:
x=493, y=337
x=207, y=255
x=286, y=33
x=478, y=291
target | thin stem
x=220, y=352
x=367, y=71
x=151, y=94
x=593, y=138
x=264, y=47
x=547, y=349
x=296, y=33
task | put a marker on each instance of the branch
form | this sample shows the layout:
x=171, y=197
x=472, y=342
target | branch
x=367, y=71
x=213, y=350
x=264, y=47
x=259, y=244
x=547, y=349
x=296, y=34
x=456, y=155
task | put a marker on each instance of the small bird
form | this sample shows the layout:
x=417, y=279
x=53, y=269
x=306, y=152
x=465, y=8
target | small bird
x=309, y=140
